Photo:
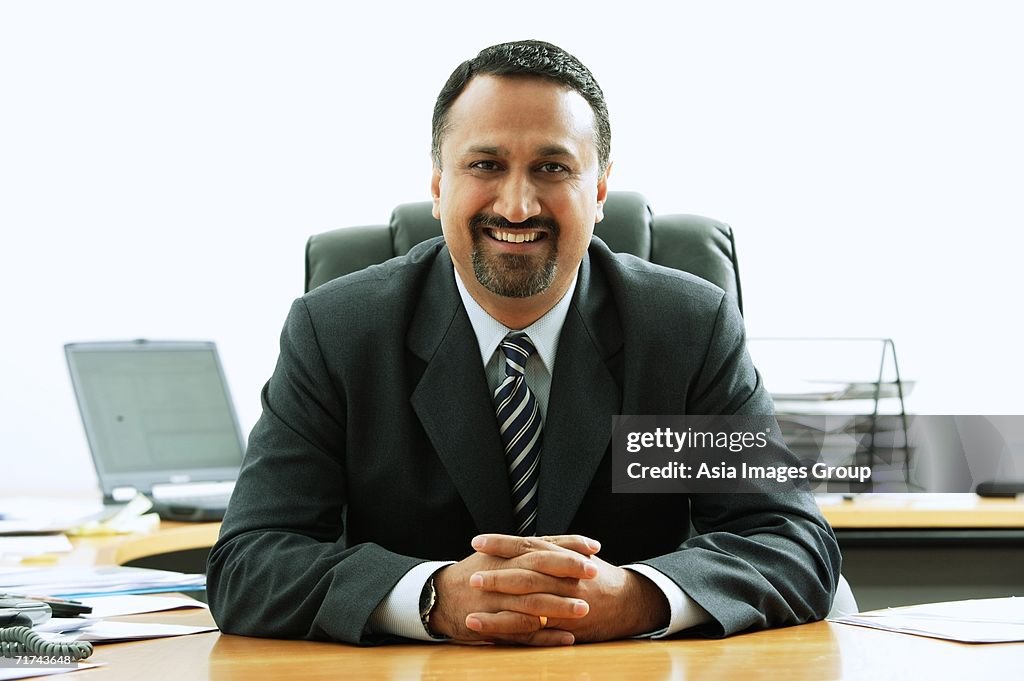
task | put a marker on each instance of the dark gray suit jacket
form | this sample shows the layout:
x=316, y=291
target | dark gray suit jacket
x=378, y=449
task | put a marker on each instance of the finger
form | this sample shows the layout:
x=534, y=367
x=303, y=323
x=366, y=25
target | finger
x=510, y=546
x=505, y=623
x=530, y=607
x=546, y=637
x=502, y=624
x=535, y=554
x=515, y=627
x=567, y=564
x=518, y=581
x=542, y=637
x=575, y=542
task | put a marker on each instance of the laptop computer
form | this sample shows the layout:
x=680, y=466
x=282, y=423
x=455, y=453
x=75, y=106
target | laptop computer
x=159, y=420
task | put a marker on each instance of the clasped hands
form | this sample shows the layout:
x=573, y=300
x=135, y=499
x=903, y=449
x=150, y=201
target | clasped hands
x=543, y=591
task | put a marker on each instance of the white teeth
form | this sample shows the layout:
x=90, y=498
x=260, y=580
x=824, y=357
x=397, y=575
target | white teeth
x=515, y=237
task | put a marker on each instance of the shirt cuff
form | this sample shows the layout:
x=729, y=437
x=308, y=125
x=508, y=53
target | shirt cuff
x=685, y=612
x=399, y=613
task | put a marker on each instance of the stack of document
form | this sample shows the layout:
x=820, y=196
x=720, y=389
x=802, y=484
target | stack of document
x=99, y=631
x=989, y=620
x=93, y=628
x=34, y=515
x=79, y=582
x=33, y=546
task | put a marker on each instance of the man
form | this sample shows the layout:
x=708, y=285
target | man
x=427, y=412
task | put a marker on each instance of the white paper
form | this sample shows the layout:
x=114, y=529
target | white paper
x=89, y=581
x=45, y=514
x=115, y=606
x=109, y=632
x=62, y=625
x=989, y=620
x=30, y=672
x=34, y=545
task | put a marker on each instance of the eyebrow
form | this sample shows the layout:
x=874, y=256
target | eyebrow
x=483, y=149
x=554, y=150
x=547, y=150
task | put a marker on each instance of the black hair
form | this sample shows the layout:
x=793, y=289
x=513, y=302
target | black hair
x=525, y=58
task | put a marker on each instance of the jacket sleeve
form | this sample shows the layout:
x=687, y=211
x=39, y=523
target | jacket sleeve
x=756, y=560
x=281, y=567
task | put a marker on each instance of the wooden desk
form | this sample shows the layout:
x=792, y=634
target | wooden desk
x=900, y=550
x=813, y=651
x=880, y=513
x=172, y=537
x=162, y=548
x=897, y=551
x=968, y=512
x=961, y=511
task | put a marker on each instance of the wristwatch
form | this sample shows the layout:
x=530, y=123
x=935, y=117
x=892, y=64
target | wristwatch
x=428, y=601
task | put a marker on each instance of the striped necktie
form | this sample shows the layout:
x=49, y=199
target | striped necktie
x=519, y=423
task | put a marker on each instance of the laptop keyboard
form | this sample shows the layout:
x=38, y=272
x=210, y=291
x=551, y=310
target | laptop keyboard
x=199, y=500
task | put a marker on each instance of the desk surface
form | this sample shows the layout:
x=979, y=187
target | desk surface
x=878, y=512
x=925, y=511
x=813, y=651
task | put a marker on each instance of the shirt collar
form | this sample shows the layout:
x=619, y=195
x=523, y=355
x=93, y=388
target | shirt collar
x=544, y=332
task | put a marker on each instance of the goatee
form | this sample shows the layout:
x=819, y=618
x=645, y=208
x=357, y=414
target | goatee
x=512, y=275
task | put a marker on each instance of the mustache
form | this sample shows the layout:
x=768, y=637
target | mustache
x=481, y=220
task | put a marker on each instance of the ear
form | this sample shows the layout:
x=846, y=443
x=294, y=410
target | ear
x=435, y=192
x=602, y=192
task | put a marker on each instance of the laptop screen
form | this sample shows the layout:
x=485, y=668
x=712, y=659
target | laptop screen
x=155, y=412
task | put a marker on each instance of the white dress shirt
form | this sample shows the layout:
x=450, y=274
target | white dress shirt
x=399, y=612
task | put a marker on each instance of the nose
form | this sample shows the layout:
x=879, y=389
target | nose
x=517, y=199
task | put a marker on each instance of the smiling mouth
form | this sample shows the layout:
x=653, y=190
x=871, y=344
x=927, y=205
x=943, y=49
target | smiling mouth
x=514, y=237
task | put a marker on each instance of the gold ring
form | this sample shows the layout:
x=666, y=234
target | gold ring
x=543, y=621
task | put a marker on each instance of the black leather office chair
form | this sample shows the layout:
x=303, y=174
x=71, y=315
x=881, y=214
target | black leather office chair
x=691, y=243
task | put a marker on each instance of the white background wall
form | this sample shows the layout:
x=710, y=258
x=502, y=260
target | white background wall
x=162, y=163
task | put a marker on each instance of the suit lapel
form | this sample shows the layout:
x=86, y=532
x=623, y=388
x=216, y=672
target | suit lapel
x=453, y=402
x=583, y=397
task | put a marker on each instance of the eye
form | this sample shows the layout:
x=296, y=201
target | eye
x=553, y=167
x=484, y=165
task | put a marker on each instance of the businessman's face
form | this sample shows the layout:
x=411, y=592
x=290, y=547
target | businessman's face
x=519, y=188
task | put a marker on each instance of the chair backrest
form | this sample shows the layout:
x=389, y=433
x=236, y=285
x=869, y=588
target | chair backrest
x=690, y=243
